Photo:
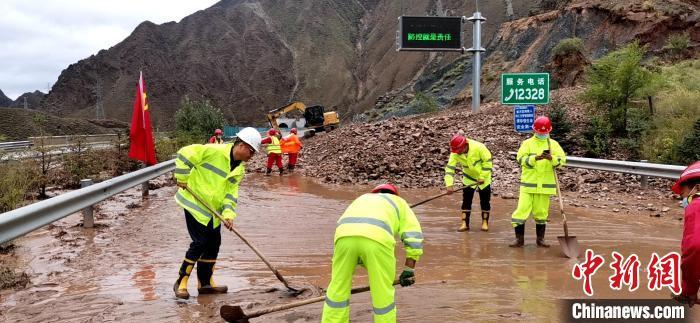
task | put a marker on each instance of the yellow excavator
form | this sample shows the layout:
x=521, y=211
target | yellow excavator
x=315, y=116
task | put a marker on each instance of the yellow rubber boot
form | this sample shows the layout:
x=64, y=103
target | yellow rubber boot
x=180, y=287
x=465, y=221
x=484, y=220
x=205, y=274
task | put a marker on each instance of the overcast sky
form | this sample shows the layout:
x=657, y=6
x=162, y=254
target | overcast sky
x=40, y=38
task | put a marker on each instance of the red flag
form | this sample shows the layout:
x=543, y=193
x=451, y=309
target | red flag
x=141, y=147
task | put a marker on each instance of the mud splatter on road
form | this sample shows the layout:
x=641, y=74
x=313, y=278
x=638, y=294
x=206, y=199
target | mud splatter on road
x=123, y=269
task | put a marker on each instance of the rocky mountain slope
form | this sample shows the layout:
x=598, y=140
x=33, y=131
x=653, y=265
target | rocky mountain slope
x=4, y=100
x=525, y=45
x=251, y=56
x=33, y=100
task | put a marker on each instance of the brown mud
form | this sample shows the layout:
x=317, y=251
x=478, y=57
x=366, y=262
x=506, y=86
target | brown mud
x=124, y=268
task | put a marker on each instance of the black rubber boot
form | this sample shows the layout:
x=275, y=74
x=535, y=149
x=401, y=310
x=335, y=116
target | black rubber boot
x=291, y=168
x=281, y=171
x=205, y=271
x=180, y=287
x=466, y=214
x=540, y=229
x=519, y=237
x=484, y=220
x=269, y=170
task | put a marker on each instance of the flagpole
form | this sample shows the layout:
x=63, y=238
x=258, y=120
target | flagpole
x=144, y=185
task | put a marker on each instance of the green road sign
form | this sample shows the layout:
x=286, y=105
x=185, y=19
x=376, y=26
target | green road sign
x=430, y=33
x=525, y=88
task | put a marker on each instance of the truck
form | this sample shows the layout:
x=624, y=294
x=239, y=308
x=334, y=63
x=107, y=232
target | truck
x=316, y=117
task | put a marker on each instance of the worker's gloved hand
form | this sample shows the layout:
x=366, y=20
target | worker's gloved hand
x=450, y=190
x=479, y=182
x=407, y=277
x=182, y=184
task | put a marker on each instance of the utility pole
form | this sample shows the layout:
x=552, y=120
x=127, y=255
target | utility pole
x=476, y=51
x=26, y=107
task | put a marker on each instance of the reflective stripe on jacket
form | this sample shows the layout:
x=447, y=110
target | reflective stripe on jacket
x=380, y=217
x=206, y=170
x=291, y=144
x=476, y=164
x=274, y=146
x=537, y=175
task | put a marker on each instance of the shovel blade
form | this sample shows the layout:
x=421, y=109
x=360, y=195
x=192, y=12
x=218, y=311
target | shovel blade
x=569, y=245
x=233, y=313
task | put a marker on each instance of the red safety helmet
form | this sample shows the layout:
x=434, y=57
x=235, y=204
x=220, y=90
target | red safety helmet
x=271, y=132
x=458, y=143
x=690, y=173
x=542, y=125
x=294, y=131
x=386, y=187
x=218, y=132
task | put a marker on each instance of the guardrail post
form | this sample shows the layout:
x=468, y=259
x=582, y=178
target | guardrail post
x=144, y=189
x=88, y=219
x=643, y=179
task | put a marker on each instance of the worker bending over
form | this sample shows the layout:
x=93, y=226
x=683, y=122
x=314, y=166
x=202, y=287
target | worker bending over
x=364, y=235
x=476, y=165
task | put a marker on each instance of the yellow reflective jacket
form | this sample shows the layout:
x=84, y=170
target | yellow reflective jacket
x=476, y=164
x=380, y=217
x=206, y=170
x=538, y=175
x=274, y=146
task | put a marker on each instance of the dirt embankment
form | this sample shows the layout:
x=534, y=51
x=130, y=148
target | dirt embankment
x=413, y=151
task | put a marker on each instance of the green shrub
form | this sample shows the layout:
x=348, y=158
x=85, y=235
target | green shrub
x=615, y=79
x=597, y=137
x=561, y=126
x=568, y=46
x=689, y=149
x=80, y=163
x=637, y=126
x=16, y=180
x=677, y=43
x=198, y=119
x=675, y=113
x=423, y=103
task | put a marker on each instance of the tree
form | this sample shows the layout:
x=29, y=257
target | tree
x=198, y=119
x=689, y=149
x=613, y=80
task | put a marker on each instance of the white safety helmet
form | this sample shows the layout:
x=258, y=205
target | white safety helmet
x=251, y=137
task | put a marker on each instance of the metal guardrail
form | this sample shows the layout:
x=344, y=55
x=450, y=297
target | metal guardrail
x=627, y=167
x=14, y=145
x=21, y=221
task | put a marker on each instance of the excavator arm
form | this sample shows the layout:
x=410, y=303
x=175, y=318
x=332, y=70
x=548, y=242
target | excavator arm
x=276, y=113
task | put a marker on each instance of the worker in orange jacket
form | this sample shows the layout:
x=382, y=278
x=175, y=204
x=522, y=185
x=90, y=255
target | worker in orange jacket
x=291, y=145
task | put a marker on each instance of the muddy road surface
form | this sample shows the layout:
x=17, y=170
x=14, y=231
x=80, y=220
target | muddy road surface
x=124, y=268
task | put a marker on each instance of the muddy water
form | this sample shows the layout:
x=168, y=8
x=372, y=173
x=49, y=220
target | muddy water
x=123, y=269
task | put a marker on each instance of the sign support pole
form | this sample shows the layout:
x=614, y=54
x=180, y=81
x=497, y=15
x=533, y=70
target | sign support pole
x=476, y=50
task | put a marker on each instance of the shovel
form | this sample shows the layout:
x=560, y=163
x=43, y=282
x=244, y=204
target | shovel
x=439, y=195
x=234, y=313
x=569, y=244
x=257, y=252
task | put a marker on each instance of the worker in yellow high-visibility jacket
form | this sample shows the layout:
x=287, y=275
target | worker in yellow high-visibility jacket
x=538, y=156
x=213, y=173
x=364, y=235
x=476, y=166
